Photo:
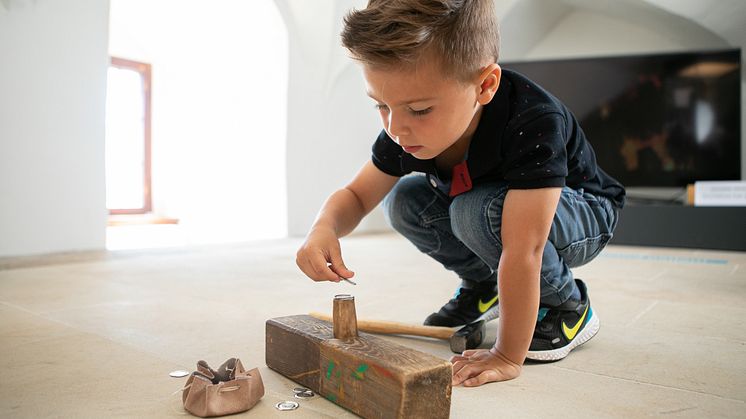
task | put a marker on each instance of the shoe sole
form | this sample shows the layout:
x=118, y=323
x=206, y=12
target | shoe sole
x=589, y=331
x=491, y=314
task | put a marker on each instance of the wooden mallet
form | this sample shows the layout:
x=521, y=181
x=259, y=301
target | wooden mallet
x=469, y=336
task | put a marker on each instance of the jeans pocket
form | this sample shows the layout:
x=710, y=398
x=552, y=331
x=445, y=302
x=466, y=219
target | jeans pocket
x=584, y=251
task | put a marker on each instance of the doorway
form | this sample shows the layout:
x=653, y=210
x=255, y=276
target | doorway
x=219, y=75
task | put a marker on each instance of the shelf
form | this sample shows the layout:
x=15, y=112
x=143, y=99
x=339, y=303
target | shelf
x=717, y=228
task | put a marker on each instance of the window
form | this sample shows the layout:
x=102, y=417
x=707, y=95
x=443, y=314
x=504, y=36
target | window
x=128, y=163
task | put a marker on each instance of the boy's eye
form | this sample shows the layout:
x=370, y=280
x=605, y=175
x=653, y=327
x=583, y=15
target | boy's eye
x=416, y=112
x=420, y=112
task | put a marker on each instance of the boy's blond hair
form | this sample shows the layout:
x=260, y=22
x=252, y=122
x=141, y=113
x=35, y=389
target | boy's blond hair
x=462, y=35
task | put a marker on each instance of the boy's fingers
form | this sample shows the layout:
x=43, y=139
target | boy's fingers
x=457, y=358
x=459, y=365
x=320, y=270
x=486, y=376
x=307, y=267
x=338, y=266
x=466, y=355
x=463, y=374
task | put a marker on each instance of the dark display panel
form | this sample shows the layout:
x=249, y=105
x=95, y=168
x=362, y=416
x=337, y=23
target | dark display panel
x=653, y=120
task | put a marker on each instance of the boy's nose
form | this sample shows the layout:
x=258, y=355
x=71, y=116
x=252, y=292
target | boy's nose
x=396, y=126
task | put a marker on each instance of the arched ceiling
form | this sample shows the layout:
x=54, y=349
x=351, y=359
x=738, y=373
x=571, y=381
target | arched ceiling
x=717, y=22
x=726, y=18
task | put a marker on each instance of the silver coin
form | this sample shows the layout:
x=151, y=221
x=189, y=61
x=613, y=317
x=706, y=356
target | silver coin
x=301, y=390
x=304, y=395
x=287, y=405
x=179, y=373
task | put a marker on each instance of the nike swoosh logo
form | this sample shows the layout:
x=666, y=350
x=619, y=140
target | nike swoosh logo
x=571, y=332
x=485, y=306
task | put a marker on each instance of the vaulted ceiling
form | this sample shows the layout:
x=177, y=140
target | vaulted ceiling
x=716, y=23
x=726, y=18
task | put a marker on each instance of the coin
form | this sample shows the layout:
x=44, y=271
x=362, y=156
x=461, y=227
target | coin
x=286, y=405
x=300, y=390
x=179, y=373
x=304, y=394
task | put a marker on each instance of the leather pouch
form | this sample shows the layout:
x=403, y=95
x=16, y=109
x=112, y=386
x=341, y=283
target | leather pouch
x=230, y=389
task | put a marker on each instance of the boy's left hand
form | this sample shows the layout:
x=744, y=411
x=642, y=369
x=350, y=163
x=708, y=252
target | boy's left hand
x=479, y=366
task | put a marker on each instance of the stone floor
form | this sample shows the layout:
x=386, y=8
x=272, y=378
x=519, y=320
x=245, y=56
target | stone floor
x=97, y=336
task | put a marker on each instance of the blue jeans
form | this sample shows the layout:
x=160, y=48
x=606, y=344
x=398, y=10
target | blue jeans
x=463, y=233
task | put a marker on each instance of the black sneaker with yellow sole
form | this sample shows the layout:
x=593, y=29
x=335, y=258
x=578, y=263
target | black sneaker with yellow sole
x=472, y=302
x=563, y=328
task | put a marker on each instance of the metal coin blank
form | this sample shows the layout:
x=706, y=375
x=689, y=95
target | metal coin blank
x=286, y=405
x=304, y=394
x=301, y=390
x=179, y=373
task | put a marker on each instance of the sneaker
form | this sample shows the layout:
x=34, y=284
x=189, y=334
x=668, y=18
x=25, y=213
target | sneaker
x=471, y=303
x=563, y=328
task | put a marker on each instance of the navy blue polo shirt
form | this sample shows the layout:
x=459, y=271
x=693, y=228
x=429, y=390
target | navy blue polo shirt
x=526, y=138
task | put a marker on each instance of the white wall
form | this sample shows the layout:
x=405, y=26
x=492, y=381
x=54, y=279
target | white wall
x=331, y=126
x=331, y=122
x=219, y=97
x=53, y=64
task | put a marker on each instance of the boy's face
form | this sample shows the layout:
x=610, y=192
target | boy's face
x=422, y=110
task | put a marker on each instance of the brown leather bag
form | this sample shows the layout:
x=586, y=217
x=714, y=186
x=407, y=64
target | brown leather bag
x=230, y=389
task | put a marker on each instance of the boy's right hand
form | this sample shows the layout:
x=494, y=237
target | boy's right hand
x=320, y=257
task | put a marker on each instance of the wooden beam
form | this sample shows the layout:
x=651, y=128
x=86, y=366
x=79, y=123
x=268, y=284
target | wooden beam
x=366, y=374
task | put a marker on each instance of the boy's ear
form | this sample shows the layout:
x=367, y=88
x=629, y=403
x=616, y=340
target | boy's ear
x=489, y=81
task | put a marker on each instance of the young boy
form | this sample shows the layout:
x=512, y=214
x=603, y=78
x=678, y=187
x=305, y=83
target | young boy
x=511, y=197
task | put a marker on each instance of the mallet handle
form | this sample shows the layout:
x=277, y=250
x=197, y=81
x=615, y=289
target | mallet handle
x=394, y=328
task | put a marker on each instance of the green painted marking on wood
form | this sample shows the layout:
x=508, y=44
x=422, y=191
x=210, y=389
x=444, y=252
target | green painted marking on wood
x=359, y=374
x=332, y=397
x=329, y=370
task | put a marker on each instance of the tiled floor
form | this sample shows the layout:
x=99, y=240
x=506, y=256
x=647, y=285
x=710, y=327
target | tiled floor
x=98, y=337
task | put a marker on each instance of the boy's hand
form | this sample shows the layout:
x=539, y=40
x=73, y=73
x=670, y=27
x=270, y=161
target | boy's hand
x=320, y=257
x=479, y=366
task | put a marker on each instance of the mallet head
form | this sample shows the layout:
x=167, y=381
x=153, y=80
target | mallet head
x=468, y=337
